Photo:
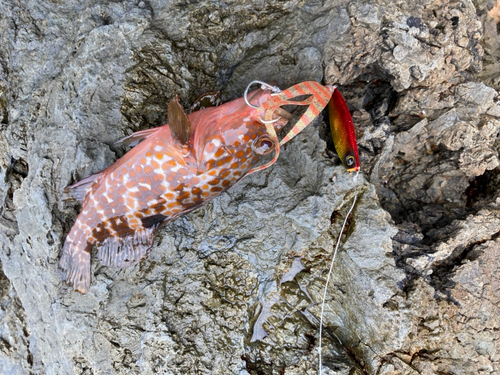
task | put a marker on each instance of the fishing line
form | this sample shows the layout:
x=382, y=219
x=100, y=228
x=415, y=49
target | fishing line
x=328, y=281
x=355, y=178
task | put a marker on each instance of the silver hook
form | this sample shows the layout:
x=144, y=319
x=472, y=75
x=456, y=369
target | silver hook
x=264, y=86
x=270, y=121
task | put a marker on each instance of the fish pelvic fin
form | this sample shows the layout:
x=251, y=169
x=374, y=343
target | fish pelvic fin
x=74, y=266
x=120, y=252
x=178, y=121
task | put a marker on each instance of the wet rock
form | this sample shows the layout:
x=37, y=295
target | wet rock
x=235, y=287
x=488, y=11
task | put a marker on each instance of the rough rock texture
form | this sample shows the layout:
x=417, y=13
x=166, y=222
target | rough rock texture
x=235, y=287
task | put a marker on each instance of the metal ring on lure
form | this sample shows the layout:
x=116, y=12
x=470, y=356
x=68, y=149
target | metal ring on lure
x=274, y=89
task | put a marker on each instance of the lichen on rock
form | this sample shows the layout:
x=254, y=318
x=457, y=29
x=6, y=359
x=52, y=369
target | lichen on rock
x=235, y=286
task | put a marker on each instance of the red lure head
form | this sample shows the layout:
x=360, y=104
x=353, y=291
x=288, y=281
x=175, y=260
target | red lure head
x=342, y=127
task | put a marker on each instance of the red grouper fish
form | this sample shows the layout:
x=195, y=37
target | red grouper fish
x=173, y=170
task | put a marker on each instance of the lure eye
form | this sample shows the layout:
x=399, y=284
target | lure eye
x=349, y=161
x=263, y=146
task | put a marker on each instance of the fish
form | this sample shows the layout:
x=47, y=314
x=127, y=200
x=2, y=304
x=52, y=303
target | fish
x=174, y=169
x=343, y=134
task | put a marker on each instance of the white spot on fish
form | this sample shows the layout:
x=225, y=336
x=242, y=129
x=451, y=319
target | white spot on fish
x=105, y=194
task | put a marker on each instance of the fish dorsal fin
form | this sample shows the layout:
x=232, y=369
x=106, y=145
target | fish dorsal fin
x=134, y=139
x=80, y=190
x=179, y=123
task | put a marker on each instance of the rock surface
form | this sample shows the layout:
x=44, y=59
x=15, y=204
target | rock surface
x=235, y=287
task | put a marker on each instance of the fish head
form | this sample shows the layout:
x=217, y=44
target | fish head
x=233, y=136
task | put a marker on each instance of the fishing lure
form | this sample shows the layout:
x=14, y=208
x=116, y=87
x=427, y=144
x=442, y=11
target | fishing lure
x=344, y=139
x=343, y=134
x=174, y=169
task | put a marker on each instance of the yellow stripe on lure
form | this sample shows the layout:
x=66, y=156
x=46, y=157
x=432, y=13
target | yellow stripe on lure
x=344, y=137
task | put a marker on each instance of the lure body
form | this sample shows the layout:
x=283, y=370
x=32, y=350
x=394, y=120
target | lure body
x=344, y=137
x=160, y=179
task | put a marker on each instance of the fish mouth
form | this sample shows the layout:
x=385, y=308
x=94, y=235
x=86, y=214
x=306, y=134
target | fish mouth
x=282, y=113
x=279, y=119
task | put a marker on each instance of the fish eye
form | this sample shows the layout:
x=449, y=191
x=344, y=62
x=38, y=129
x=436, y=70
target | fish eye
x=263, y=145
x=349, y=161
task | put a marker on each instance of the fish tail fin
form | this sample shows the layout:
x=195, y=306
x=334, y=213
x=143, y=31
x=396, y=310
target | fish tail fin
x=75, y=265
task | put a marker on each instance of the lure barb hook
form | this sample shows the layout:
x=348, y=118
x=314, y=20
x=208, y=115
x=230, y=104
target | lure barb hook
x=271, y=121
x=263, y=86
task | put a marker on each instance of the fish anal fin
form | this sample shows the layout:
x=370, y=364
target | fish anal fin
x=179, y=123
x=80, y=190
x=120, y=252
x=134, y=138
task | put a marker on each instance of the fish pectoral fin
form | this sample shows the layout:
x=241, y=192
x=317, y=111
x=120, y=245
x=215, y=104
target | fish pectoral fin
x=120, y=252
x=134, y=138
x=80, y=190
x=179, y=123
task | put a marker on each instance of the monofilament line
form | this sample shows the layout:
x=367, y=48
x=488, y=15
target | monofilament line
x=328, y=281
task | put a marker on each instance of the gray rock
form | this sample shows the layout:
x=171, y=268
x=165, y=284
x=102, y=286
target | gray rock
x=235, y=287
